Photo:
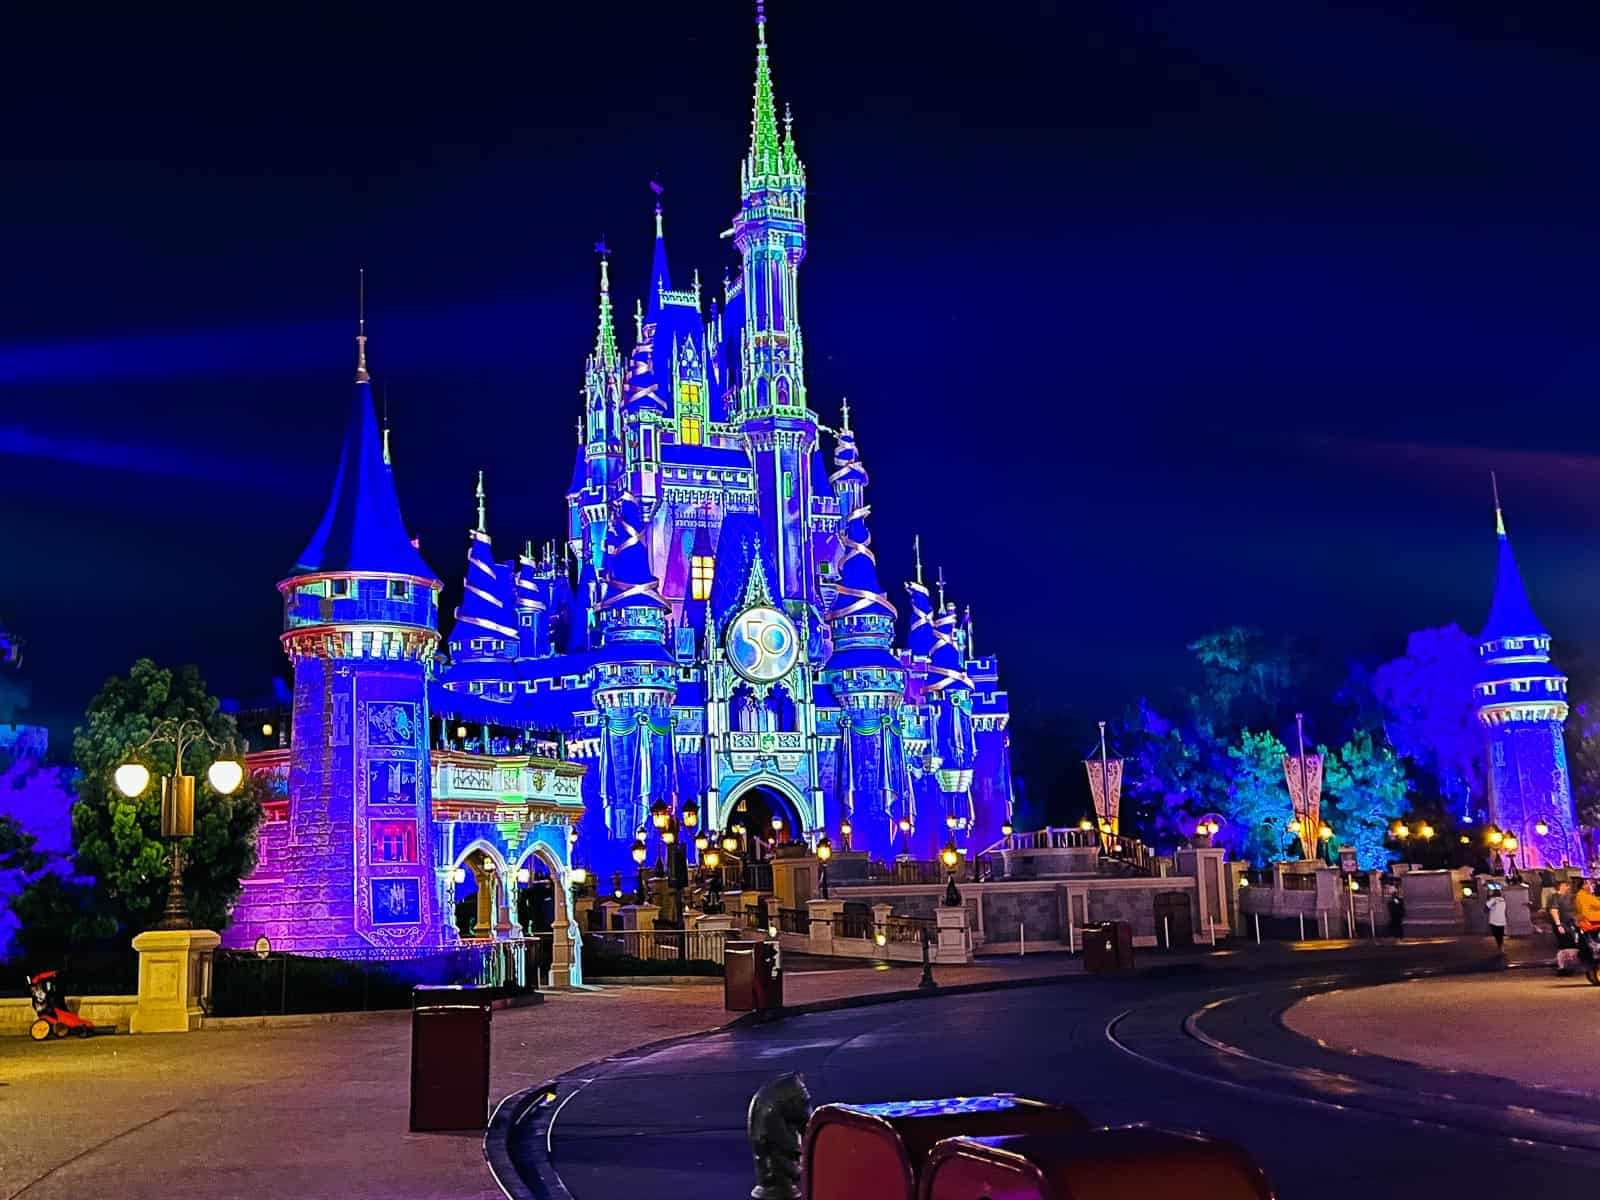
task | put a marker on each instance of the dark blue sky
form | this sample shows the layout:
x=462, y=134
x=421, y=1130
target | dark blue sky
x=1154, y=317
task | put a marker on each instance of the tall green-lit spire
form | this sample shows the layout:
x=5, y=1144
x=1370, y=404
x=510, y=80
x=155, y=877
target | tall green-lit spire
x=765, y=150
x=605, y=338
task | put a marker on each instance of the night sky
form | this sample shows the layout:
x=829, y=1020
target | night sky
x=1153, y=317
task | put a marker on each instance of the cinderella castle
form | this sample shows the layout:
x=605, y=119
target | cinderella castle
x=711, y=638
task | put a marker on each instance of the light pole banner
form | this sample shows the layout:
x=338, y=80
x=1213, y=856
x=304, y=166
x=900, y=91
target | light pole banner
x=1105, y=781
x=1307, y=806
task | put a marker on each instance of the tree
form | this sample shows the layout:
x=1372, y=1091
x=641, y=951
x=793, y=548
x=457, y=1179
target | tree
x=1258, y=808
x=1364, y=788
x=1169, y=778
x=118, y=840
x=1429, y=714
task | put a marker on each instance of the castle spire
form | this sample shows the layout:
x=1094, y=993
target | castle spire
x=361, y=329
x=920, y=638
x=765, y=151
x=660, y=276
x=1510, y=613
x=605, y=338
x=916, y=554
x=483, y=524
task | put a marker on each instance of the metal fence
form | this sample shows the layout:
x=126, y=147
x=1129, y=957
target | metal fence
x=245, y=984
x=794, y=920
x=848, y=924
x=660, y=945
x=906, y=929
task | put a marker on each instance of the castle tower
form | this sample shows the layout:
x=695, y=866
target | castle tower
x=949, y=699
x=598, y=469
x=485, y=636
x=353, y=874
x=634, y=686
x=867, y=679
x=780, y=431
x=1522, y=703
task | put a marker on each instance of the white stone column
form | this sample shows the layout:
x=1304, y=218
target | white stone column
x=174, y=979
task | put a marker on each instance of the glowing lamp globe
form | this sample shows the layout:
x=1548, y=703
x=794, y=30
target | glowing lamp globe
x=669, y=836
x=1511, y=842
x=691, y=814
x=1006, y=829
x=1496, y=837
x=225, y=775
x=1398, y=830
x=488, y=866
x=948, y=856
x=1294, y=825
x=730, y=843
x=881, y=938
x=523, y=875
x=844, y=827
x=713, y=859
x=1324, y=833
x=1465, y=840
x=131, y=779
x=639, y=853
x=950, y=821
x=1541, y=828
x=824, y=849
x=660, y=814
x=461, y=731
x=701, y=841
x=1427, y=831
x=905, y=825
x=772, y=931
x=1244, y=882
x=1086, y=824
x=579, y=876
x=266, y=729
x=459, y=875
x=777, y=824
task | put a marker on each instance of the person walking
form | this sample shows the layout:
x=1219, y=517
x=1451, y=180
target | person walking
x=1586, y=906
x=1397, y=913
x=1563, y=915
x=1495, y=906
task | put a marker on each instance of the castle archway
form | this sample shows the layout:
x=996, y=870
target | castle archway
x=756, y=801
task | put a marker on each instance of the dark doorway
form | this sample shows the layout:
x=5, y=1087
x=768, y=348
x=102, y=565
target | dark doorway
x=1174, y=922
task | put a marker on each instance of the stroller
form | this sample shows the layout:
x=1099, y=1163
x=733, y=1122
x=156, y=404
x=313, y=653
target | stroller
x=1589, y=954
x=51, y=1016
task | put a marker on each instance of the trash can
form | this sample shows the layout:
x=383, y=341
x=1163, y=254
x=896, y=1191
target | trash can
x=1108, y=947
x=450, y=1057
x=752, y=976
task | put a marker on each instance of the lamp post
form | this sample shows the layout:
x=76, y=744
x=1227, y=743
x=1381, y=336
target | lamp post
x=905, y=829
x=177, y=798
x=844, y=833
x=950, y=857
x=639, y=855
x=824, y=853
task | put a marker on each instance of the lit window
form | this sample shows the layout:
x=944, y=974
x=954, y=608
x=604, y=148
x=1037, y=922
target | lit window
x=689, y=395
x=340, y=587
x=700, y=568
x=399, y=589
x=689, y=431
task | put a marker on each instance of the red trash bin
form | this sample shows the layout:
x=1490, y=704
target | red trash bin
x=450, y=1057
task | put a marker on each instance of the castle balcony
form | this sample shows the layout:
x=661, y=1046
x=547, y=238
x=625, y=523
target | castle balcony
x=469, y=786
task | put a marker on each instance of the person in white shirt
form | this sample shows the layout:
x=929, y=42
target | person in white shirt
x=1495, y=906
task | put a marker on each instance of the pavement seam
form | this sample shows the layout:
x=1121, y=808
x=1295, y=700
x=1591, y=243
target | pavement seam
x=88, y=1150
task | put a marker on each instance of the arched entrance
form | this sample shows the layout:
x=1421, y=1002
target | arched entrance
x=478, y=896
x=544, y=913
x=757, y=802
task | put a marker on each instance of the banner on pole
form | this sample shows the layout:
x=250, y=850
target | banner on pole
x=1105, y=782
x=1307, y=802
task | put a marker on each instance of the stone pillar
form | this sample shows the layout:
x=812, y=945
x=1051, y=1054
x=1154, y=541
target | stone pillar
x=483, y=921
x=880, y=919
x=715, y=922
x=822, y=913
x=954, y=944
x=582, y=906
x=174, y=979
x=608, y=912
x=505, y=887
x=639, y=916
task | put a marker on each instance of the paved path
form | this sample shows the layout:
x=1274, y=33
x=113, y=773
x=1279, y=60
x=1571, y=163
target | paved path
x=669, y=1121
x=1530, y=1026
x=306, y=1111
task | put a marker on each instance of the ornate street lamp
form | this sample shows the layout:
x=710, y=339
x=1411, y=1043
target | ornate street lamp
x=824, y=853
x=225, y=774
x=691, y=813
x=1006, y=829
x=950, y=857
x=844, y=833
x=639, y=855
x=660, y=814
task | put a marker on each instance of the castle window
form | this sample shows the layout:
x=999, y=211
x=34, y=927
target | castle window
x=689, y=396
x=399, y=589
x=701, y=567
x=1519, y=685
x=339, y=587
x=689, y=431
x=366, y=645
x=1513, y=643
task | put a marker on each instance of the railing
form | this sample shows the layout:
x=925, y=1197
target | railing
x=661, y=945
x=794, y=920
x=756, y=877
x=1297, y=881
x=852, y=925
x=913, y=871
x=906, y=929
x=1050, y=839
x=247, y=984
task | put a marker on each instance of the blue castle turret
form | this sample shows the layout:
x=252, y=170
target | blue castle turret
x=867, y=679
x=360, y=626
x=1522, y=704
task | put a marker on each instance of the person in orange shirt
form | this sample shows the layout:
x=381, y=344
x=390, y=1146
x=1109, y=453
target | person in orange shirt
x=1586, y=907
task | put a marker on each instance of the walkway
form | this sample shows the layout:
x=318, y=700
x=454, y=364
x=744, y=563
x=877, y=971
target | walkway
x=1531, y=1026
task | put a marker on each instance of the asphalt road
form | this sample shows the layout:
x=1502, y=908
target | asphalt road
x=669, y=1122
